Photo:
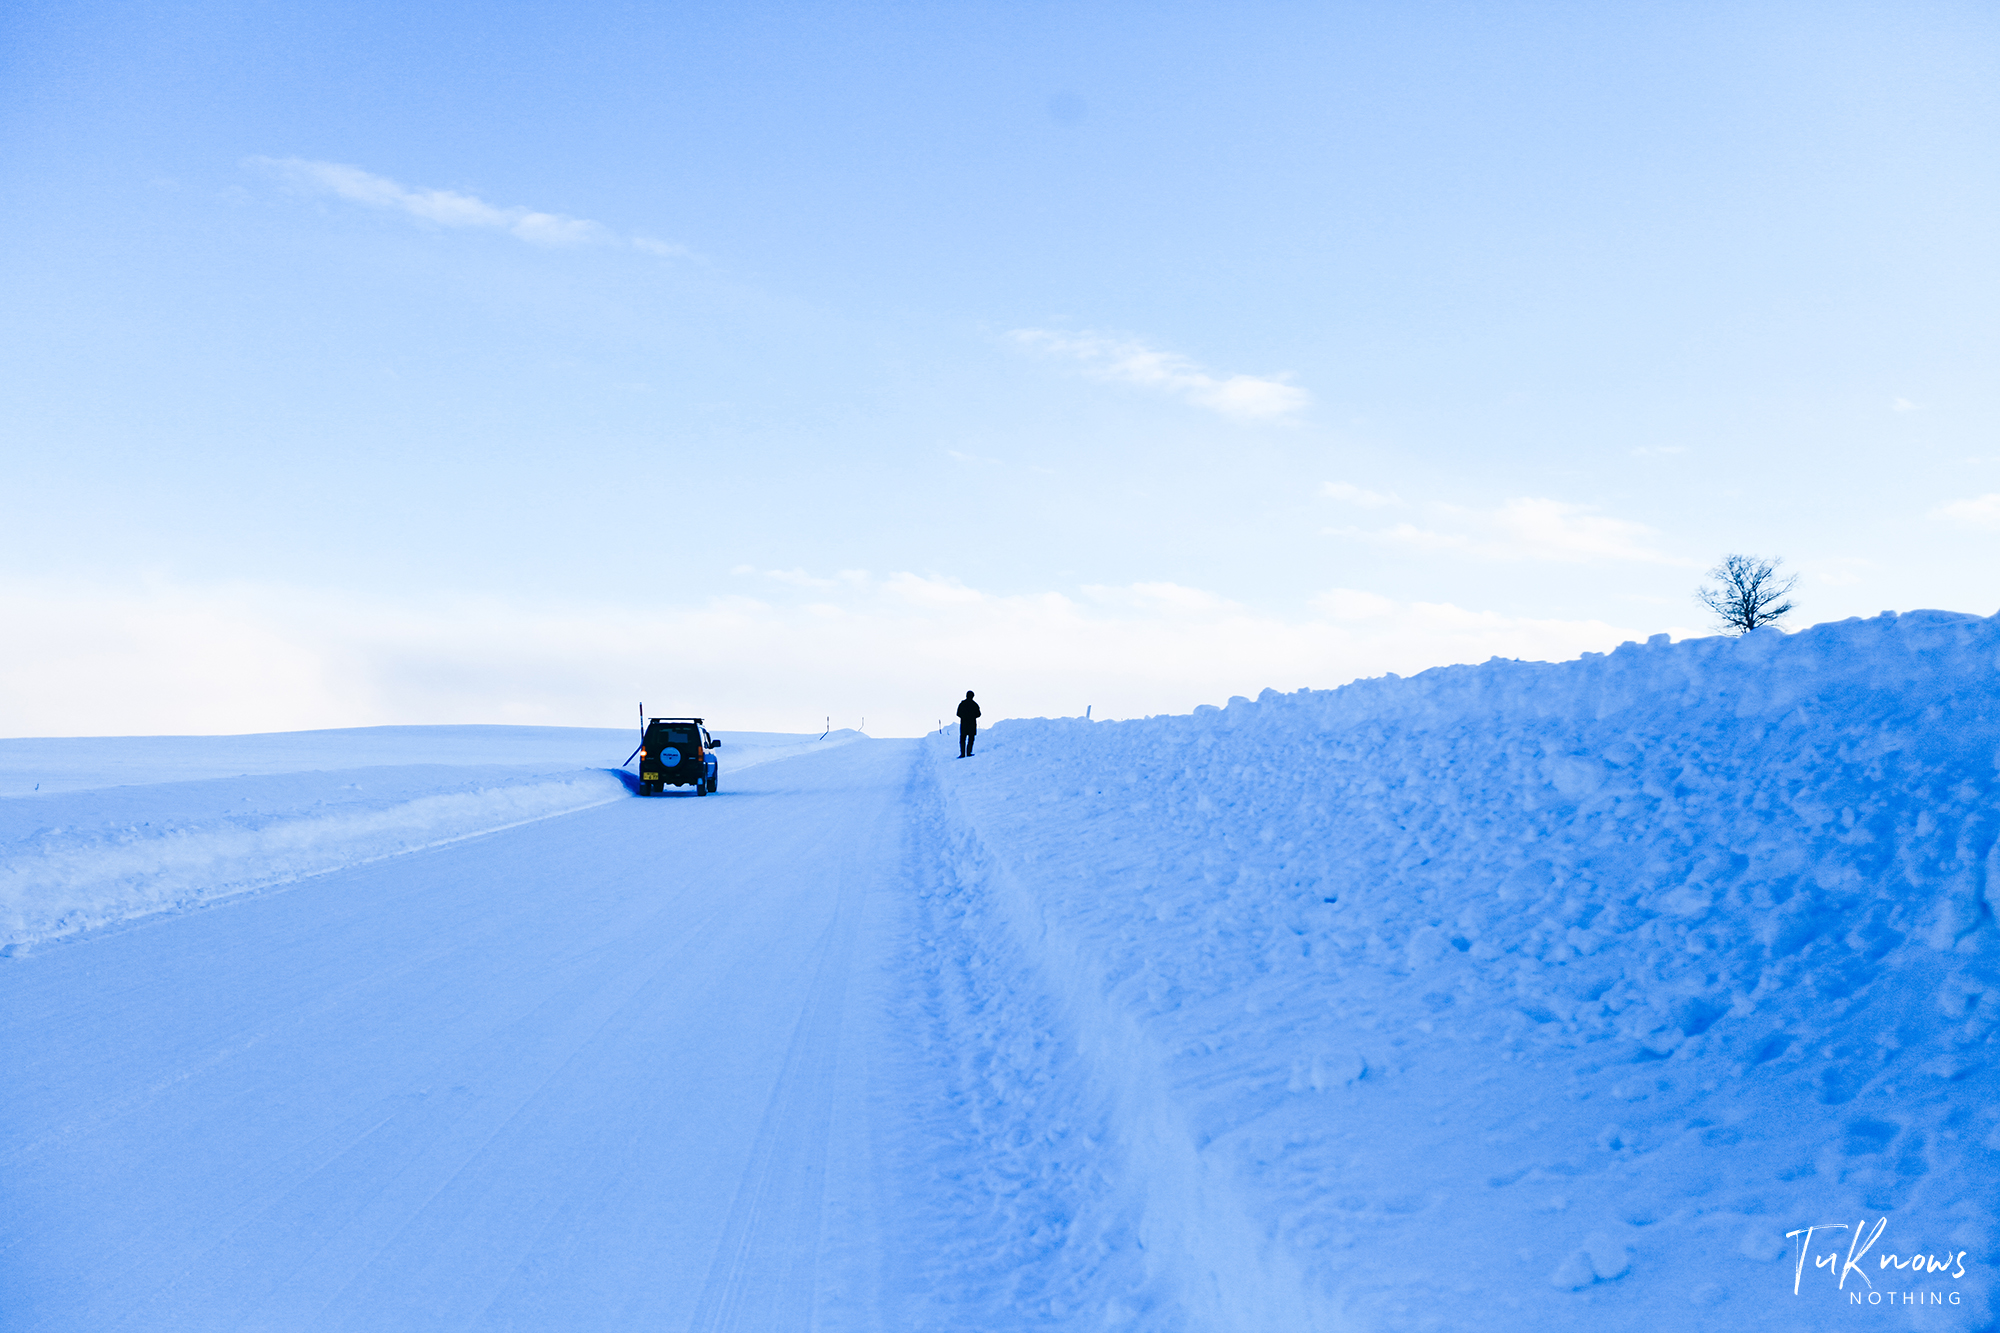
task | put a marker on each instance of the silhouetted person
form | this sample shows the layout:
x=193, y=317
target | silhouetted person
x=968, y=725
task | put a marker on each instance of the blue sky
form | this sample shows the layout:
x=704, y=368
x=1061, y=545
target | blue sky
x=508, y=363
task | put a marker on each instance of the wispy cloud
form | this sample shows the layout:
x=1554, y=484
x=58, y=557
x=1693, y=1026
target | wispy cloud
x=1529, y=528
x=799, y=578
x=1355, y=495
x=1159, y=598
x=1129, y=361
x=1905, y=405
x=1350, y=604
x=1844, y=571
x=449, y=208
x=1552, y=530
x=1980, y=512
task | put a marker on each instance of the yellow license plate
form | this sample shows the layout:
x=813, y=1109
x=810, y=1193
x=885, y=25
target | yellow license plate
x=649, y=777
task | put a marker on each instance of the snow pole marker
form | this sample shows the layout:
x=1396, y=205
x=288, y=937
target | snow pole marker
x=642, y=735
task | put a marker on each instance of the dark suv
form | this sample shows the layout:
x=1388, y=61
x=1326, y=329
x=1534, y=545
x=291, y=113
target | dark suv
x=677, y=752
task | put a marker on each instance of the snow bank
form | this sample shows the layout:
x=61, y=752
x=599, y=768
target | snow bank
x=120, y=827
x=1529, y=992
x=89, y=859
x=47, y=766
x=51, y=765
x=746, y=749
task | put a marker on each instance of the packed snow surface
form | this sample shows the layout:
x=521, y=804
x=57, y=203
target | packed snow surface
x=1518, y=996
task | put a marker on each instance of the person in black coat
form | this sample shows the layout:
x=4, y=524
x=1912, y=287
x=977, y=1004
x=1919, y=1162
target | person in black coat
x=968, y=725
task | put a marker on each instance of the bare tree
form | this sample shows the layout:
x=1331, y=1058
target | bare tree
x=1749, y=594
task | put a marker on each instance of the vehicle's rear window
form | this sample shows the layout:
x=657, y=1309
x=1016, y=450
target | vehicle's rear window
x=681, y=736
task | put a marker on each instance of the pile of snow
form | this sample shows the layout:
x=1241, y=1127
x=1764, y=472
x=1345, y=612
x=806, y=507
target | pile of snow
x=1513, y=992
x=114, y=828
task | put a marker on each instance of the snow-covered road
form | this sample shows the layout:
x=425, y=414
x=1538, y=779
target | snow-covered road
x=623, y=1068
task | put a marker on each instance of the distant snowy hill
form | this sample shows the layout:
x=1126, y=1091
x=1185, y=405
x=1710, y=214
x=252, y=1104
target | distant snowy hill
x=1518, y=994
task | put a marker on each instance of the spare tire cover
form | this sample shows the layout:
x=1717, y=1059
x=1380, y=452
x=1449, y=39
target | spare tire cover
x=670, y=757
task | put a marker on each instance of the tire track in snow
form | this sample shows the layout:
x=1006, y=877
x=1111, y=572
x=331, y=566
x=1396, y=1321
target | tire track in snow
x=802, y=1239
x=376, y=1183
x=763, y=1275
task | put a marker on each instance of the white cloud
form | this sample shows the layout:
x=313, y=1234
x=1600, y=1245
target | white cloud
x=449, y=208
x=1355, y=495
x=932, y=591
x=1165, y=598
x=798, y=578
x=552, y=229
x=251, y=657
x=1409, y=534
x=1351, y=604
x=1529, y=528
x=1839, y=571
x=1128, y=361
x=1552, y=530
x=1904, y=405
x=1981, y=512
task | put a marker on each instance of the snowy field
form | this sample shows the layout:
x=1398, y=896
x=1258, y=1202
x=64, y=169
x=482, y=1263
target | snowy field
x=1516, y=996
